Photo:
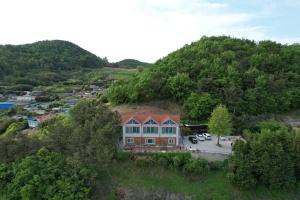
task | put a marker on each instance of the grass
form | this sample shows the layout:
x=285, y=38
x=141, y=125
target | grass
x=215, y=186
x=118, y=73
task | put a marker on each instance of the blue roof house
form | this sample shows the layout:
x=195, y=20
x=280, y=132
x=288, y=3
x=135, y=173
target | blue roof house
x=6, y=105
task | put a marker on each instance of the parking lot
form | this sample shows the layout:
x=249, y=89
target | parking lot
x=209, y=146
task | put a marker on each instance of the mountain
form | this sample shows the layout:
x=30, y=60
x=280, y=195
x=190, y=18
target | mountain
x=45, y=55
x=250, y=78
x=131, y=63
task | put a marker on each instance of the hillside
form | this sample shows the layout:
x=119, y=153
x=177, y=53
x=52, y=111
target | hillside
x=40, y=61
x=249, y=78
x=131, y=63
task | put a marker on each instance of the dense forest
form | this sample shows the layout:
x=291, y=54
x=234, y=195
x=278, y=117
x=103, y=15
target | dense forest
x=44, y=62
x=132, y=63
x=250, y=78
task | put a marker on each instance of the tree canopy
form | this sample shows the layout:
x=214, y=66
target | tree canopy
x=250, y=78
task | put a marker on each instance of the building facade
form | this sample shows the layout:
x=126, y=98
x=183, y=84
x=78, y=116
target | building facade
x=151, y=131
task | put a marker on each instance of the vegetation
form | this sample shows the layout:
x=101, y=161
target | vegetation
x=137, y=181
x=131, y=63
x=44, y=63
x=269, y=157
x=45, y=175
x=220, y=122
x=249, y=78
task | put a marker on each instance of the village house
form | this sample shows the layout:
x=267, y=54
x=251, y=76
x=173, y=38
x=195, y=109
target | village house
x=150, y=130
x=34, y=122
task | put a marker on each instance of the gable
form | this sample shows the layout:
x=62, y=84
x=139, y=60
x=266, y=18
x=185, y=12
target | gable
x=132, y=121
x=169, y=122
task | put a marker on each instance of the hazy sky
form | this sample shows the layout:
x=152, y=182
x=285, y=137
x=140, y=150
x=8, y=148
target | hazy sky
x=145, y=29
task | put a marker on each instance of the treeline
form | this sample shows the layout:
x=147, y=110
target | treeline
x=270, y=157
x=131, y=63
x=249, y=78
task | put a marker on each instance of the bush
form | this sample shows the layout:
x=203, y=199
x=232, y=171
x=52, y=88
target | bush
x=144, y=162
x=197, y=167
x=123, y=156
x=218, y=165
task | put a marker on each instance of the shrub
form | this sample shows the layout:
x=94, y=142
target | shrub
x=217, y=165
x=197, y=167
x=123, y=156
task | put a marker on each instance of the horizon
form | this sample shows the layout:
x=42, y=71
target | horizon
x=146, y=30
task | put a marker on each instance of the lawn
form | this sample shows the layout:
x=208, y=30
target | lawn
x=215, y=186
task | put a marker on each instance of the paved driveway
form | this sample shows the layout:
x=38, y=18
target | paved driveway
x=209, y=146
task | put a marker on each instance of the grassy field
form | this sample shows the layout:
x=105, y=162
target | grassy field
x=118, y=73
x=214, y=187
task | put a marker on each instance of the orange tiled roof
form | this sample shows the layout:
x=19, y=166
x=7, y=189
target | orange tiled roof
x=143, y=118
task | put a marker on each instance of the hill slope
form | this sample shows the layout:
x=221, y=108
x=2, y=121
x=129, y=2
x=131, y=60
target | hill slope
x=131, y=63
x=32, y=62
x=249, y=78
x=51, y=55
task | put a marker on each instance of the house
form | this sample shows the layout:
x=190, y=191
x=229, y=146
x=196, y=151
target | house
x=150, y=130
x=34, y=122
x=25, y=98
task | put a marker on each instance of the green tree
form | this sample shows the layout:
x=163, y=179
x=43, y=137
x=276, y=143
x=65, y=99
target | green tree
x=46, y=175
x=220, y=122
x=199, y=106
x=179, y=86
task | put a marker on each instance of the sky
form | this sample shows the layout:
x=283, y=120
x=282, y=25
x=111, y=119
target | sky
x=146, y=29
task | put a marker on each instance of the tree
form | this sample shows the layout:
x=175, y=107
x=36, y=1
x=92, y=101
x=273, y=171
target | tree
x=90, y=133
x=199, y=106
x=220, y=122
x=45, y=175
x=179, y=86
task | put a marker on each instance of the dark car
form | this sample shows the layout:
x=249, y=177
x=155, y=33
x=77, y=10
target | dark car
x=193, y=139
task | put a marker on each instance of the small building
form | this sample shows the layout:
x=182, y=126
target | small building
x=6, y=105
x=34, y=121
x=25, y=98
x=150, y=131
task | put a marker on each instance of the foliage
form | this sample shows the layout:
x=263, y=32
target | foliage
x=90, y=133
x=179, y=86
x=14, y=128
x=220, y=122
x=268, y=157
x=131, y=63
x=196, y=167
x=249, y=78
x=199, y=106
x=45, y=175
x=272, y=125
x=44, y=63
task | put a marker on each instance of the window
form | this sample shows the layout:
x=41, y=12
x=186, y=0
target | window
x=151, y=121
x=168, y=130
x=132, y=129
x=150, y=130
x=149, y=141
x=132, y=121
x=130, y=140
x=170, y=122
x=171, y=141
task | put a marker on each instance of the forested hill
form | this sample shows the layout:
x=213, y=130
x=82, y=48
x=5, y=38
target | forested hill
x=248, y=77
x=54, y=55
x=131, y=63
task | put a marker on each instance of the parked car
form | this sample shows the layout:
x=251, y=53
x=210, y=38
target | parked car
x=207, y=136
x=200, y=137
x=222, y=138
x=193, y=139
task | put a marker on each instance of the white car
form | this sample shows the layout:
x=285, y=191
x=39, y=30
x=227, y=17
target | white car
x=207, y=136
x=200, y=137
x=222, y=138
